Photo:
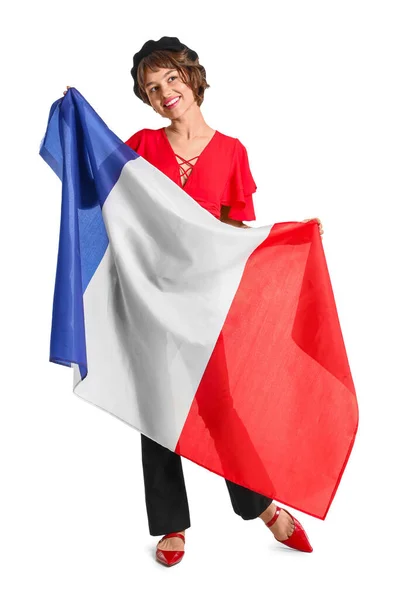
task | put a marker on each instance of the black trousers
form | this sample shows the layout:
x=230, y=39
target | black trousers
x=165, y=491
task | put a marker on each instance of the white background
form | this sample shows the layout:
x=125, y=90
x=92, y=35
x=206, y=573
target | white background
x=311, y=88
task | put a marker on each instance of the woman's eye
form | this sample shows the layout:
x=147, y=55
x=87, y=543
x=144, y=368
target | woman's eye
x=172, y=77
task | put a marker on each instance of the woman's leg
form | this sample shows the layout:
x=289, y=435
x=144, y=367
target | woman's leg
x=246, y=503
x=165, y=492
x=249, y=505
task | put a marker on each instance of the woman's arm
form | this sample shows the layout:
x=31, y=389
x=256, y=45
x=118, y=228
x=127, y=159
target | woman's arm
x=225, y=219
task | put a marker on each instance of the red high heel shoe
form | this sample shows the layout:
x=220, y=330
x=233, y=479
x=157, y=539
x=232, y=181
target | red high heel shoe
x=298, y=539
x=170, y=557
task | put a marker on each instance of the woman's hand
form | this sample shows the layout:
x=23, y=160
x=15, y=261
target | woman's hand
x=321, y=231
x=68, y=86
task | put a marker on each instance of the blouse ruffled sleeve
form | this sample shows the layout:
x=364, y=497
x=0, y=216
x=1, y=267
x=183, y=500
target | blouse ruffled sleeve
x=240, y=187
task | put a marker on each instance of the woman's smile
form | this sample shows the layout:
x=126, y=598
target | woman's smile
x=172, y=103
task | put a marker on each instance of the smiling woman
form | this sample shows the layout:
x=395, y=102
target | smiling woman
x=214, y=170
x=169, y=78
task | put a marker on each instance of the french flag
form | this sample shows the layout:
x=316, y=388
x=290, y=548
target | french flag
x=220, y=343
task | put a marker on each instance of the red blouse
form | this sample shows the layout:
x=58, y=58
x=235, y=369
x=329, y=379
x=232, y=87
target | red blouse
x=220, y=176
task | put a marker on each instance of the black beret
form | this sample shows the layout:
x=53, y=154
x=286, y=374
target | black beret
x=164, y=43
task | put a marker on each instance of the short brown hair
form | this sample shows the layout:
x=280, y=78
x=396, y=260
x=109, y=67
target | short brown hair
x=191, y=72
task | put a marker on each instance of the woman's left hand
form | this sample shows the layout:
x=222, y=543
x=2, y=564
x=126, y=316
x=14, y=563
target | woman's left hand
x=321, y=231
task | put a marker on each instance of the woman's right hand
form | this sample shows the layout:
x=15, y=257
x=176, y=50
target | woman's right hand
x=68, y=86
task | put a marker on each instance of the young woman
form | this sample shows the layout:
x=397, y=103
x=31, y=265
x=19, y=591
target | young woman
x=213, y=168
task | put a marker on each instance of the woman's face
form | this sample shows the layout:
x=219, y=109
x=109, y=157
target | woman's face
x=162, y=87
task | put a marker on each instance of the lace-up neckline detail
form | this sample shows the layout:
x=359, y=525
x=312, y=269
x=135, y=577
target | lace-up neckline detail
x=185, y=168
x=182, y=171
